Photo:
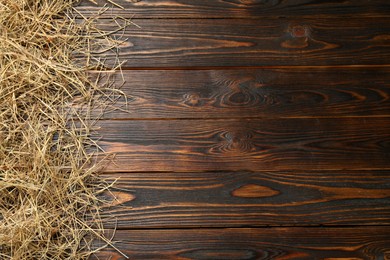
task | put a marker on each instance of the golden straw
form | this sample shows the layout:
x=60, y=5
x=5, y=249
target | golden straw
x=50, y=191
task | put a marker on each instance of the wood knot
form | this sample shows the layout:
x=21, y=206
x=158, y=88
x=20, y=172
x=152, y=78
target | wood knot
x=298, y=37
x=237, y=142
x=234, y=143
x=299, y=31
x=254, y=191
x=192, y=100
x=118, y=198
x=240, y=98
x=242, y=92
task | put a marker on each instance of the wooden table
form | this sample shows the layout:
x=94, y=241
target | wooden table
x=255, y=129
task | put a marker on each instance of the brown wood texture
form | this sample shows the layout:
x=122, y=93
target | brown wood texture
x=242, y=8
x=263, y=42
x=239, y=244
x=254, y=129
x=235, y=199
x=254, y=145
x=254, y=93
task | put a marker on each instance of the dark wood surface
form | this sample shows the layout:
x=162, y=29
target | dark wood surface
x=239, y=244
x=254, y=93
x=247, y=9
x=253, y=130
x=236, y=199
x=247, y=144
x=252, y=42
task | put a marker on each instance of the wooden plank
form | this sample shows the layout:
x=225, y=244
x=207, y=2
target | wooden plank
x=241, y=9
x=254, y=93
x=254, y=145
x=273, y=243
x=264, y=42
x=234, y=199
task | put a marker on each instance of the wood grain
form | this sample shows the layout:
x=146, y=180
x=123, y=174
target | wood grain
x=265, y=42
x=234, y=199
x=239, y=244
x=254, y=93
x=241, y=9
x=254, y=145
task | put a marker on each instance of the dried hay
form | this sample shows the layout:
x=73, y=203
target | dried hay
x=49, y=187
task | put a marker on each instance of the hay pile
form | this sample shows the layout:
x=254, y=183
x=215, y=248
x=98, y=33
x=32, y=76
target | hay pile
x=49, y=186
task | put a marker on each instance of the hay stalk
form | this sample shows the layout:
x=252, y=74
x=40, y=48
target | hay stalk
x=49, y=163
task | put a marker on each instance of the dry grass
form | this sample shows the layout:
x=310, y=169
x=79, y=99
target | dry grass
x=49, y=186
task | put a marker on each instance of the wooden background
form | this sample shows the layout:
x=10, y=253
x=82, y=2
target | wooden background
x=256, y=129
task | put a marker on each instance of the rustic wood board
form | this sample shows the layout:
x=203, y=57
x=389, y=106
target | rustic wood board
x=247, y=144
x=241, y=9
x=250, y=114
x=276, y=243
x=254, y=93
x=246, y=42
x=234, y=199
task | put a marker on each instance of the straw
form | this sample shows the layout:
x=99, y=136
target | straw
x=49, y=102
